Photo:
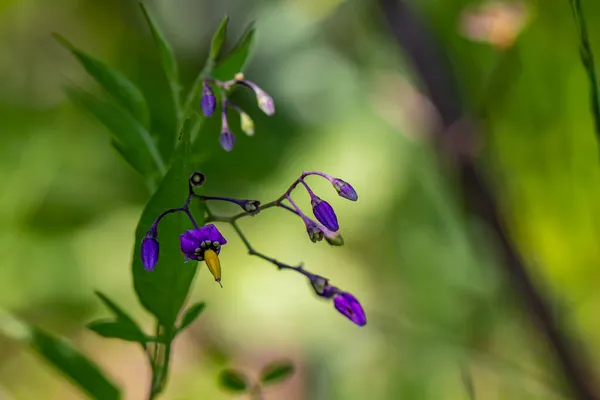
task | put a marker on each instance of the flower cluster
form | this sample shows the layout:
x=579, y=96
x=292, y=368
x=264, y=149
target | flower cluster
x=208, y=103
x=205, y=243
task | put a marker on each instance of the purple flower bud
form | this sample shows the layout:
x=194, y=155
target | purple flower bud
x=208, y=101
x=227, y=139
x=322, y=287
x=314, y=232
x=347, y=304
x=344, y=189
x=324, y=213
x=265, y=102
x=150, y=250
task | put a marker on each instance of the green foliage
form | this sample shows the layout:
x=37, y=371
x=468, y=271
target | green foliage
x=218, y=40
x=83, y=372
x=190, y=315
x=167, y=56
x=235, y=61
x=123, y=327
x=113, y=82
x=276, y=371
x=129, y=137
x=163, y=291
x=233, y=380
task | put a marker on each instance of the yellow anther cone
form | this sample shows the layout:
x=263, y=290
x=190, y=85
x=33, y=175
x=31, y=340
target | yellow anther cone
x=214, y=265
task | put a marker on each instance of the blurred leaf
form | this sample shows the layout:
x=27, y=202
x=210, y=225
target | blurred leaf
x=215, y=49
x=276, y=372
x=115, y=83
x=235, y=61
x=130, y=138
x=218, y=40
x=163, y=290
x=118, y=329
x=191, y=314
x=233, y=380
x=168, y=59
x=80, y=370
x=587, y=58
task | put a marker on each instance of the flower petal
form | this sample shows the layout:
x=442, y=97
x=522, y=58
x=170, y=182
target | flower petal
x=347, y=304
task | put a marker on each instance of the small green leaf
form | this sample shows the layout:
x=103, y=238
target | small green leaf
x=118, y=330
x=276, y=372
x=168, y=59
x=235, y=61
x=191, y=314
x=218, y=40
x=111, y=80
x=130, y=138
x=233, y=380
x=163, y=290
x=81, y=371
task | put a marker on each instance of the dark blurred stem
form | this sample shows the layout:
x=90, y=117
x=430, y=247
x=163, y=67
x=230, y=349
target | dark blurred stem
x=160, y=361
x=429, y=61
x=256, y=393
x=467, y=379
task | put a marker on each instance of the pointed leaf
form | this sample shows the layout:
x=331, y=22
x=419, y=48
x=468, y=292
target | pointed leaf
x=167, y=57
x=163, y=290
x=118, y=330
x=235, y=61
x=81, y=371
x=276, y=372
x=191, y=314
x=218, y=40
x=131, y=139
x=233, y=380
x=113, y=82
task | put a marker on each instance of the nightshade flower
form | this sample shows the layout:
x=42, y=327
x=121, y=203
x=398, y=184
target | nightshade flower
x=347, y=304
x=204, y=244
x=265, y=102
x=150, y=250
x=344, y=189
x=208, y=101
x=227, y=140
x=324, y=213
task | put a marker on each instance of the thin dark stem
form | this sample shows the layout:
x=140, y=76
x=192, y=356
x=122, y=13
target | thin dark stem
x=428, y=59
x=467, y=379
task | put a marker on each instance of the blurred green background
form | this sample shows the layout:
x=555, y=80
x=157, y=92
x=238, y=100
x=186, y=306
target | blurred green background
x=347, y=104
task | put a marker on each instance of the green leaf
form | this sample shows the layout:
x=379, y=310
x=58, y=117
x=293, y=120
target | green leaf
x=130, y=138
x=235, y=61
x=124, y=327
x=190, y=315
x=218, y=40
x=113, y=82
x=118, y=330
x=276, y=372
x=167, y=57
x=81, y=371
x=163, y=290
x=233, y=380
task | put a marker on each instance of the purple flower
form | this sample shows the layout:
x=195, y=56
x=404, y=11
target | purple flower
x=204, y=244
x=227, y=140
x=208, y=101
x=195, y=242
x=347, y=304
x=150, y=250
x=344, y=189
x=324, y=213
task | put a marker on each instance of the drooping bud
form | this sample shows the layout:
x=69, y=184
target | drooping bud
x=227, y=140
x=208, y=101
x=197, y=179
x=314, y=232
x=265, y=102
x=334, y=238
x=247, y=124
x=344, y=189
x=324, y=213
x=252, y=207
x=150, y=250
x=347, y=304
x=214, y=265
